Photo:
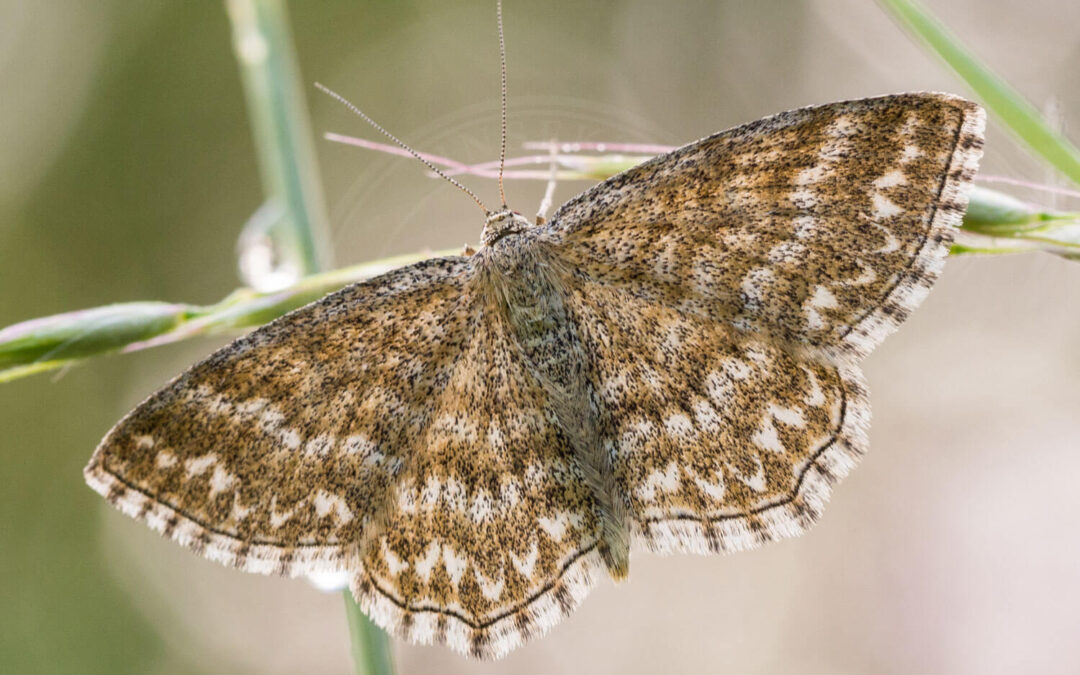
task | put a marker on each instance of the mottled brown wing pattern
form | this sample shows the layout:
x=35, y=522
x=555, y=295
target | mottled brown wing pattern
x=391, y=431
x=672, y=358
x=824, y=226
x=276, y=453
x=727, y=290
x=720, y=439
x=494, y=530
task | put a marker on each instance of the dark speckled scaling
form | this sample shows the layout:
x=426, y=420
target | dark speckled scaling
x=672, y=360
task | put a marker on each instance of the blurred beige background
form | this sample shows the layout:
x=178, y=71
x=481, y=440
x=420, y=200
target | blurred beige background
x=126, y=170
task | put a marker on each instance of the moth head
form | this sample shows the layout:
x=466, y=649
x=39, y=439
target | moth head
x=501, y=223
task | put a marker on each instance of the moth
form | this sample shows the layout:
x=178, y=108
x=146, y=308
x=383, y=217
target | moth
x=670, y=361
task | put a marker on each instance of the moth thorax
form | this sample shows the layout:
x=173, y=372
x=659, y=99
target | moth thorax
x=502, y=223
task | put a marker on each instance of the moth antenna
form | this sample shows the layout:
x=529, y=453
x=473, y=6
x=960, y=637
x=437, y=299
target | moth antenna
x=502, y=60
x=348, y=104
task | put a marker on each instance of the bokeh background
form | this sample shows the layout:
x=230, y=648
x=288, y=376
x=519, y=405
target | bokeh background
x=127, y=168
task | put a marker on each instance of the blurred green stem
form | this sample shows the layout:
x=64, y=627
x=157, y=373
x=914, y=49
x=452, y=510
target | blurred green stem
x=39, y=345
x=1003, y=100
x=264, y=50
x=370, y=649
x=297, y=227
